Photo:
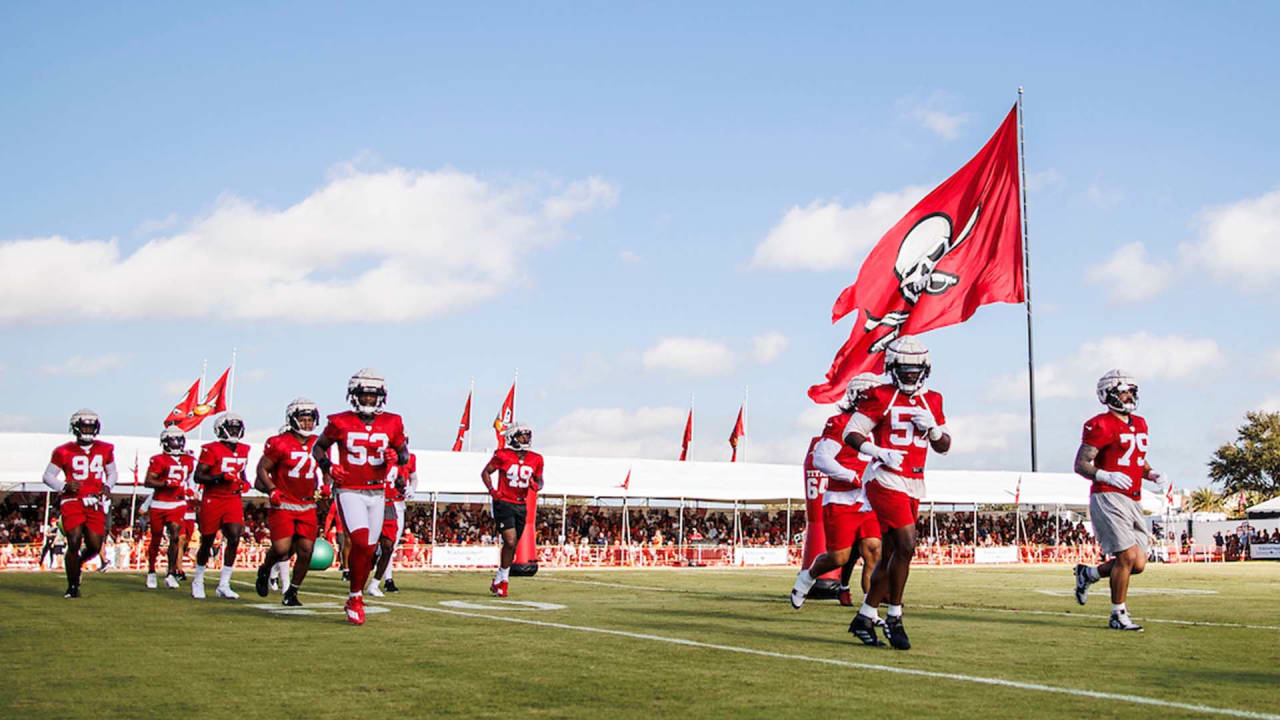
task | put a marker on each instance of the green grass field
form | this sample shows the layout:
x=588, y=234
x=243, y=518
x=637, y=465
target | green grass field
x=989, y=642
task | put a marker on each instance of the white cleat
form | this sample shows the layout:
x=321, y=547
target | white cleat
x=197, y=590
x=171, y=582
x=224, y=591
x=1122, y=621
x=151, y=581
x=374, y=590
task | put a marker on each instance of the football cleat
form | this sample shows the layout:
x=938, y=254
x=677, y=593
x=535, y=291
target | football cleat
x=1122, y=621
x=1082, y=583
x=73, y=591
x=225, y=591
x=499, y=588
x=390, y=586
x=374, y=590
x=895, y=633
x=151, y=581
x=260, y=583
x=171, y=582
x=346, y=575
x=197, y=590
x=182, y=574
x=864, y=628
x=845, y=597
x=797, y=599
x=290, y=598
x=355, y=610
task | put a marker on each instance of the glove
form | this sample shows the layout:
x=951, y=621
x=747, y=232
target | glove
x=1114, y=479
x=926, y=423
x=325, y=490
x=245, y=486
x=891, y=459
x=1158, y=480
x=276, y=497
x=231, y=477
x=339, y=475
x=390, y=456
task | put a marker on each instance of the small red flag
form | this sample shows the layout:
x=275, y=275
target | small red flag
x=688, y=436
x=183, y=414
x=959, y=248
x=505, y=416
x=215, y=400
x=626, y=484
x=464, y=425
x=1017, y=492
x=735, y=436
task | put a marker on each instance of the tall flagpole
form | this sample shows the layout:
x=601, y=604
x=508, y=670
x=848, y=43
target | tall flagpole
x=204, y=369
x=1026, y=283
x=746, y=393
x=231, y=379
x=515, y=388
x=471, y=396
x=689, y=455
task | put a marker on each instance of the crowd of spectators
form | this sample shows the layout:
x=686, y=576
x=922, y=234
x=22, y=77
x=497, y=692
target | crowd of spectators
x=1038, y=528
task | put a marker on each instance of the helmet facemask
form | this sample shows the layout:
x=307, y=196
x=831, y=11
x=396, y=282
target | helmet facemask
x=519, y=437
x=85, y=425
x=367, y=382
x=297, y=415
x=173, y=441
x=229, y=428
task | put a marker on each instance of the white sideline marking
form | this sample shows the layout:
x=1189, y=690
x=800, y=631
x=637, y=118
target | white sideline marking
x=312, y=609
x=976, y=679
x=1079, y=615
x=501, y=605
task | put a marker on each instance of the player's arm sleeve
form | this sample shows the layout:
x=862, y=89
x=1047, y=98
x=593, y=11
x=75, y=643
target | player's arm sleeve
x=112, y=475
x=858, y=423
x=53, y=478
x=941, y=418
x=824, y=460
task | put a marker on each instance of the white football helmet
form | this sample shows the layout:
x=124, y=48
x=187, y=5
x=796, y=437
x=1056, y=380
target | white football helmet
x=519, y=436
x=173, y=441
x=300, y=408
x=367, y=381
x=1114, y=382
x=85, y=425
x=906, y=360
x=857, y=386
x=229, y=427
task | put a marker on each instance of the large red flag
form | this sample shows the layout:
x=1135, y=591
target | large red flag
x=184, y=411
x=688, y=436
x=959, y=248
x=735, y=436
x=215, y=400
x=505, y=416
x=464, y=425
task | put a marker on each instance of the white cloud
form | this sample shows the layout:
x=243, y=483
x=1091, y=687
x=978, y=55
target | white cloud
x=1149, y=357
x=176, y=387
x=986, y=432
x=932, y=115
x=580, y=197
x=628, y=256
x=767, y=347
x=614, y=432
x=81, y=365
x=1238, y=242
x=829, y=236
x=695, y=356
x=1044, y=180
x=1129, y=276
x=1270, y=404
x=421, y=244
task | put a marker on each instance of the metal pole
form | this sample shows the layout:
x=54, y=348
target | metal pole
x=231, y=379
x=975, y=532
x=471, y=398
x=788, y=525
x=1026, y=285
x=681, y=527
x=746, y=394
x=564, y=515
x=435, y=497
x=204, y=371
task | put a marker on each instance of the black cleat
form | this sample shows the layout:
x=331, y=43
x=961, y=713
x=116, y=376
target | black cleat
x=262, y=583
x=390, y=586
x=291, y=598
x=864, y=628
x=182, y=575
x=895, y=633
x=346, y=576
x=1082, y=583
x=73, y=591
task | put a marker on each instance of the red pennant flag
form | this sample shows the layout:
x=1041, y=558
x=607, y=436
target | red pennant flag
x=957, y=249
x=183, y=414
x=464, y=425
x=735, y=435
x=626, y=484
x=1017, y=492
x=505, y=416
x=688, y=436
x=215, y=400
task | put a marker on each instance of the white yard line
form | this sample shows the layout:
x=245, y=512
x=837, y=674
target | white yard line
x=975, y=679
x=1057, y=613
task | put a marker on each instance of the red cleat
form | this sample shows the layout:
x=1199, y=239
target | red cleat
x=845, y=597
x=499, y=588
x=355, y=610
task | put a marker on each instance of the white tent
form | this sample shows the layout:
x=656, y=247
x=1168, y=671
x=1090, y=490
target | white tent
x=23, y=457
x=1270, y=506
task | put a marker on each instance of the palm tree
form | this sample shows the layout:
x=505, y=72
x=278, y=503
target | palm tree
x=1206, y=500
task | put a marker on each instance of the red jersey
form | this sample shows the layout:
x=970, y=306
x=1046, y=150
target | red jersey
x=815, y=481
x=296, y=472
x=175, y=470
x=405, y=471
x=1122, y=447
x=515, y=474
x=224, y=460
x=361, y=445
x=86, y=465
x=847, y=456
x=886, y=412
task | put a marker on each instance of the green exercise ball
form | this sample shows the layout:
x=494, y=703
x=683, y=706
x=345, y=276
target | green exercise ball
x=321, y=555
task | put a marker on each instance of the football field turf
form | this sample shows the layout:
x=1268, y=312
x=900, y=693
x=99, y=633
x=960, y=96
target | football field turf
x=988, y=642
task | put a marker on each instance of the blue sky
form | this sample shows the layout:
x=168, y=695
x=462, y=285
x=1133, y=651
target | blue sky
x=632, y=204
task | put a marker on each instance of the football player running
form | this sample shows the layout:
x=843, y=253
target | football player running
x=895, y=425
x=518, y=467
x=82, y=472
x=288, y=474
x=1113, y=454
x=370, y=442
x=393, y=527
x=167, y=475
x=220, y=470
x=847, y=518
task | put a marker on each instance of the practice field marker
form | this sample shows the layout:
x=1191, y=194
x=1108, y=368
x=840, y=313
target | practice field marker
x=312, y=609
x=975, y=679
x=501, y=605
